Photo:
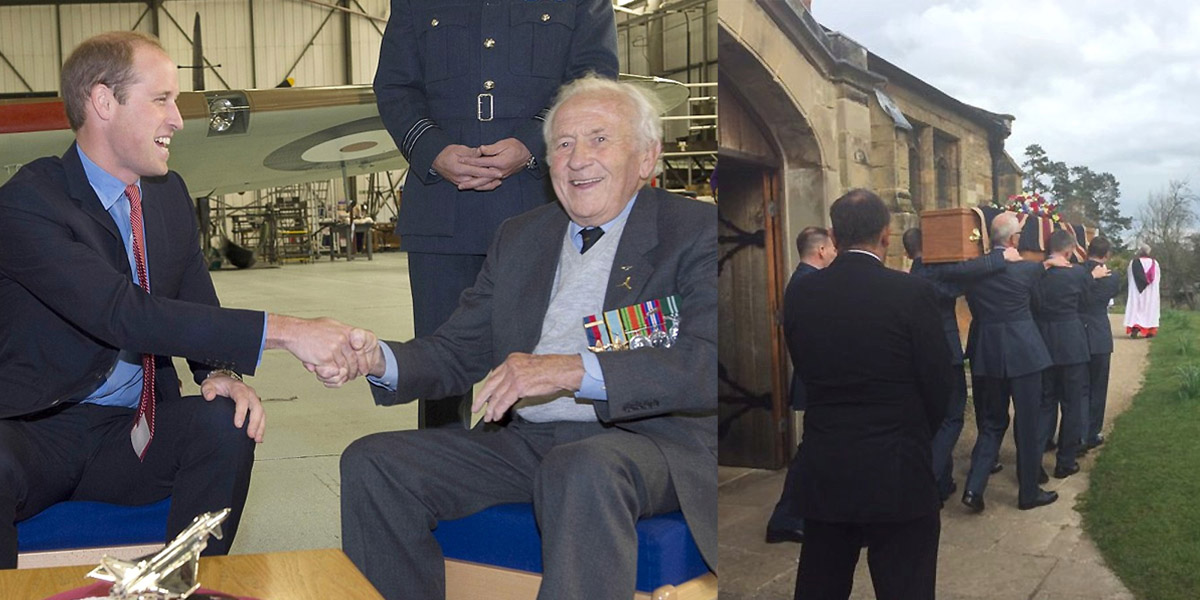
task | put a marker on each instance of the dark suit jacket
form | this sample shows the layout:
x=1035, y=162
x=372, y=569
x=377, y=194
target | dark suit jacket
x=1094, y=310
x=70, y=303
x=668, y=394
x=433, y=63
x=1004, y=341
x=947, y=280
x=798, y=397
x=1058, y=298
x=868, y=343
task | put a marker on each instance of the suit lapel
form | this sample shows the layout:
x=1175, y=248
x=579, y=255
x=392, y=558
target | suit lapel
x=153, y=227
x=631, y=269
x=83, y=194
x=536, y=278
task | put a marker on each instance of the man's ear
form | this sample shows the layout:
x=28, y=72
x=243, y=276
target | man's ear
x=885, y=238
x=102, y=101
x=649, y=162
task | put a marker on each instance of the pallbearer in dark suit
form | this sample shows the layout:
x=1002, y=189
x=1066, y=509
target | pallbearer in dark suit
x=1057, y=299
x=816, y=252
x=1094, y=314
x=947, y=279
x=1007, y=358
x=875, y=397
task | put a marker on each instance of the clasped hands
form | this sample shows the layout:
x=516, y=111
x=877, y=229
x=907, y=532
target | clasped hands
x=481, y=168
x=335, y=352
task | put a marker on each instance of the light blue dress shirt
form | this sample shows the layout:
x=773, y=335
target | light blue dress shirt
x=124, y=384
x=592, y=386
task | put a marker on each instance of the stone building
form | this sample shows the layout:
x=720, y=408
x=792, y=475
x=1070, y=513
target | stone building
x=807, y=114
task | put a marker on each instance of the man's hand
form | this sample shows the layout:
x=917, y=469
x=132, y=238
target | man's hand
x=525, y=375
x=1057, y=261
x=1100, y=271
x=248, y=409
x=367, y=352
x=318, y=343
x=1012, y=255
x=508, y=156
x=455, y=163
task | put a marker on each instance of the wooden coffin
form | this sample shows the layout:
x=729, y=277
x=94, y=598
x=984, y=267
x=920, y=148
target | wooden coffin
x=951, y=235
x=957, y=234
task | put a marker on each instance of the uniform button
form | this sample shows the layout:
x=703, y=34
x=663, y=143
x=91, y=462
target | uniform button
x=489, y=43
x=545, y=17
x=433, y=23
x=489, y=84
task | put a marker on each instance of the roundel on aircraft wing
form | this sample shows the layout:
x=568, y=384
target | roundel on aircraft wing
x=364, y=140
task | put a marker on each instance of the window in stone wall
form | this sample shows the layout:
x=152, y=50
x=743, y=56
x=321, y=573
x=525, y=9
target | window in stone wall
x=945, y=166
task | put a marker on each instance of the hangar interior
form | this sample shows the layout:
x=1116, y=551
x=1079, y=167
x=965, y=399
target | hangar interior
x=305, y=233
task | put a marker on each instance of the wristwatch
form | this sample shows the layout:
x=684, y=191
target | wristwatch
x=226, y=372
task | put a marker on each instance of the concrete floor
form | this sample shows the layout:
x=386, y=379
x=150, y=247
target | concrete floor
x=294, y=490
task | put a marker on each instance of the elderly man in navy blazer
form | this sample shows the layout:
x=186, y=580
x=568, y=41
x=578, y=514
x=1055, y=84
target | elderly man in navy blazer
x=593, y=439
x=1007, y=357
x=463, y=87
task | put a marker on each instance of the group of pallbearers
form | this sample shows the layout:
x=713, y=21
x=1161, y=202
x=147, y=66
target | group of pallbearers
x=880, y=367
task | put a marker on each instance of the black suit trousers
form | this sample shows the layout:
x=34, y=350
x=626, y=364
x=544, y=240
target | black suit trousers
x=1097, y=395
x=902, y=557
x=82, y=452
x=991, y=415
x=1065, y=387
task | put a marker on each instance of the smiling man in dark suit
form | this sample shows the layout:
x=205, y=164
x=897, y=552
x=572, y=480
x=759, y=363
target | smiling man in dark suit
x=875, y=397
x=593, y=440
x=102, y=281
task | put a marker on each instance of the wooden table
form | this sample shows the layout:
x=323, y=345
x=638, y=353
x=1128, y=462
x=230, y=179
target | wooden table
x=300, y=575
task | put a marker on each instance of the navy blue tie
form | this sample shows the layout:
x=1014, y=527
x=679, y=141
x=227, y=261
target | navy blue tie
x=590, y=236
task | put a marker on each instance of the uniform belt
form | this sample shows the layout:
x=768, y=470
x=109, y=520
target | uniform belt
x=484, y=107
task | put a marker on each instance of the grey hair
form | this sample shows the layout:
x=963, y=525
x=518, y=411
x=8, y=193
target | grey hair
x=646, y=124
x=1003, y=228
x=1144, y=250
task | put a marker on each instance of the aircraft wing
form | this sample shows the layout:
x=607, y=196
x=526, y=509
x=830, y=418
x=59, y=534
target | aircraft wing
x=239, y=140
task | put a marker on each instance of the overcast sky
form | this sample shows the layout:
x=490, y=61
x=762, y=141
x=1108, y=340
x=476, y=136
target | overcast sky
x=1113, y=85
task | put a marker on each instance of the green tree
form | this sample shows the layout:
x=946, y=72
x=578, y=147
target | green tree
x=1082, y=193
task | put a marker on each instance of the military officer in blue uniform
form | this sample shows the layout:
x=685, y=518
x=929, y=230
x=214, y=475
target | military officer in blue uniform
x=463, y=87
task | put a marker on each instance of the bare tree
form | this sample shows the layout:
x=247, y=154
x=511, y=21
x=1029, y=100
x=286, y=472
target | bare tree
x=1165, y=223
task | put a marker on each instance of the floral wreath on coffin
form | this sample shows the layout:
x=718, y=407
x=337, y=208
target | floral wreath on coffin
x=1033, y=204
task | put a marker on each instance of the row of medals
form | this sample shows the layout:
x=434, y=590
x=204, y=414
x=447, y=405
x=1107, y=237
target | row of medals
x=657, y=338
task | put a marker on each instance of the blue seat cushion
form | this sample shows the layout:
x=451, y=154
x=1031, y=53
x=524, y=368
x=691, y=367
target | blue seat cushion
x=507, y=536
x=70, y=525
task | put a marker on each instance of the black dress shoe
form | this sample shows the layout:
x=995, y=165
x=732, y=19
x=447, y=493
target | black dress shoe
x=973, y=501
x=1042, y=476
x=775, y=536
x=996, y=468
x=1061, y=473
x=1095, y=443
x=1043, y=498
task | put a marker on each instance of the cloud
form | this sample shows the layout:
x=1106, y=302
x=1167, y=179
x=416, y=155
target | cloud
x=1109, y=84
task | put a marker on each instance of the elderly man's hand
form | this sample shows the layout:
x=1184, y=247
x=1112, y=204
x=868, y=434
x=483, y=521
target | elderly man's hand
x=1057, y=261
x=367, y=352
x=526, y=375
x=1012, y=255
x=248, y=409
x=1100, y=272
x=455, y=163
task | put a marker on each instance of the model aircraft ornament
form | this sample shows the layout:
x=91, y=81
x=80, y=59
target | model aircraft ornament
x=168, y=575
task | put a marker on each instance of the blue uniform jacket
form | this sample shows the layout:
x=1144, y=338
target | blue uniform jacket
x=474, y=72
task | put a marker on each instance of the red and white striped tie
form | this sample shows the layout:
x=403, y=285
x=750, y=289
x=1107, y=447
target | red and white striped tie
x=143, y=425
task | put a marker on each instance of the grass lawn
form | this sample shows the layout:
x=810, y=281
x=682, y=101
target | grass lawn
x=1143, y=504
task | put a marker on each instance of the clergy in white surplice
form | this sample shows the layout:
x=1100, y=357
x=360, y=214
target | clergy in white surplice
x=1141, y=308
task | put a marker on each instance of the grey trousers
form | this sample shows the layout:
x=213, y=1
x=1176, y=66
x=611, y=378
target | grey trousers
x=589, y=484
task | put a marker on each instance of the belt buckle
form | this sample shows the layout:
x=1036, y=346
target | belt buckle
x=480, y=102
